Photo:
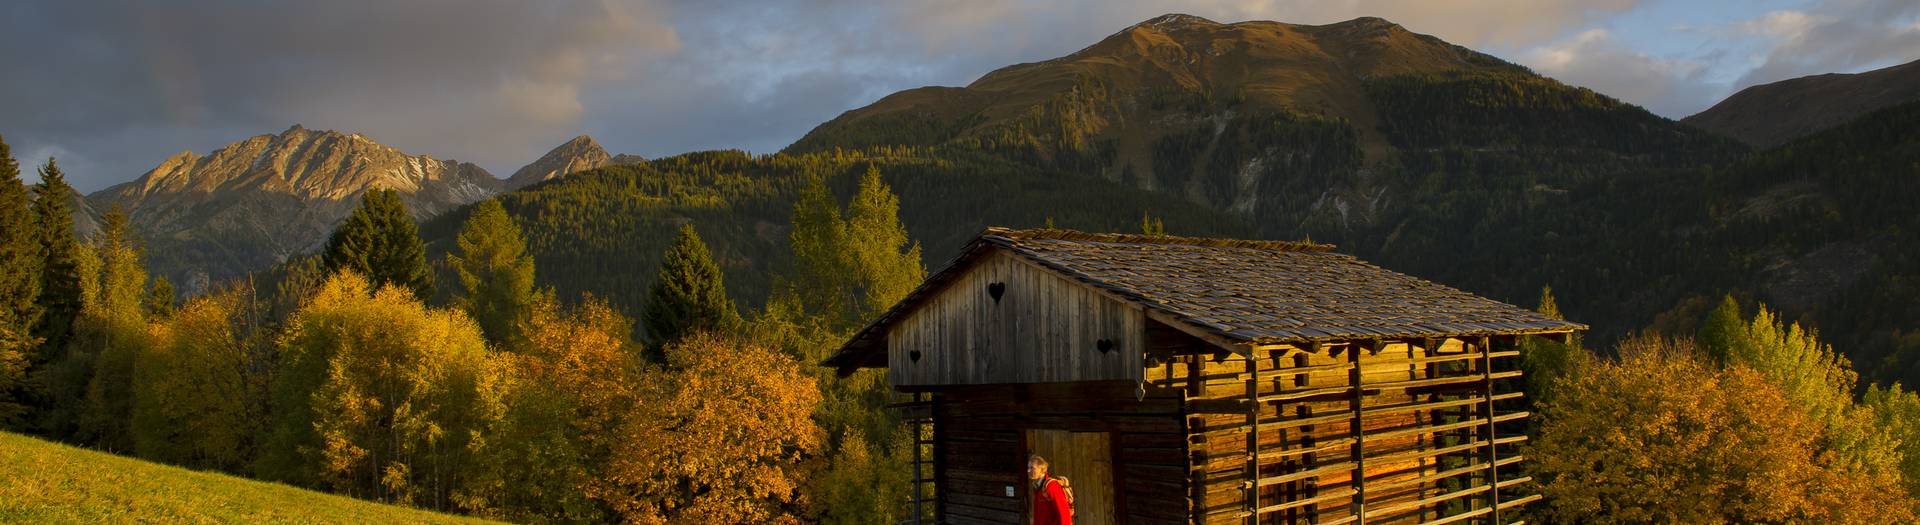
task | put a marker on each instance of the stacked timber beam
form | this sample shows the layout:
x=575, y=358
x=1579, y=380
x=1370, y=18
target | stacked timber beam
x=1368, y=431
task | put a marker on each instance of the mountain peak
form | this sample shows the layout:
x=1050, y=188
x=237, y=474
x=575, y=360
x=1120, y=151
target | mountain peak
x=579, y=154
x=1177, y=20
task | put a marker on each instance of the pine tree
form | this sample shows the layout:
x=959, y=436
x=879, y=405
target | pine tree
x=690, y=294
x=19, y=250
x=885, y=260
x=822, y=283
x=60, y=277
x=160, y=298
x=496, y=271
x=380, y=241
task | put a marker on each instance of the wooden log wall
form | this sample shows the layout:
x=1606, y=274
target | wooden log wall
x=979, y=433
x=1417, y=433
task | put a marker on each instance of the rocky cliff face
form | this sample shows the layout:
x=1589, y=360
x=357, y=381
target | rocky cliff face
x=579, y=154
x=255, y=202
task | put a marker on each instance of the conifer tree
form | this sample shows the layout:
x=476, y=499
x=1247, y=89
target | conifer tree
x=1546, y=362
x=60, y=276
x=19, y=291
x=380, y=241
x=821, y=285
x=494, y=267
x=689, y=295
x=19, y=250
x=113, y=330
x=885, y=260
x=160, y=297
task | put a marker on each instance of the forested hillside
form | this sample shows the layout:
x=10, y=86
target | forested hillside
x=601, y=231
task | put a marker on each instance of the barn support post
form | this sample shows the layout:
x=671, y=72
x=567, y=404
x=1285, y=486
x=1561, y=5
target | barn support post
x=1493, y=433
x=1253, y=436
x=1358, y=428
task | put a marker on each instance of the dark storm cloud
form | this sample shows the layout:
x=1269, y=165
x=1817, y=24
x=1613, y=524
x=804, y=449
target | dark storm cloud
x=114, y=86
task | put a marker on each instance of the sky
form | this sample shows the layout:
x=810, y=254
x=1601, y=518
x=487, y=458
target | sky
x=112, y=87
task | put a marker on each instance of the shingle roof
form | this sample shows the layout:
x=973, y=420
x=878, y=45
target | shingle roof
x=1253, y=292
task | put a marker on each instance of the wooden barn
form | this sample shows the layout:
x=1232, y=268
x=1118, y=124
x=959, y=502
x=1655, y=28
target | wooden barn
x=1189, y=380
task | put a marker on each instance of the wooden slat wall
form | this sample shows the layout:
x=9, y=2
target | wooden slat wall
x=1044, y=328
x=980, y=431
x=1399, y=427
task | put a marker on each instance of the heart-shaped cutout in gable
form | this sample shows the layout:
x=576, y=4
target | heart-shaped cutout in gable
x=913, y=355
x=1105, y=345
x=995, y=290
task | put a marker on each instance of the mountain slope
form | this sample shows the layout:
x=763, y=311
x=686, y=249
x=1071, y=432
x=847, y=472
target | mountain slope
x=579, y=154
x=1825, y=229
x=1771, y=114
x=44, y=482
x=602, y=231
x=1317, y=130
x=255, y=202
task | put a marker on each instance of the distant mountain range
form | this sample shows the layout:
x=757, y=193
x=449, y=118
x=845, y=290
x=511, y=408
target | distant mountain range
x=1420, y=155
x=253, y=203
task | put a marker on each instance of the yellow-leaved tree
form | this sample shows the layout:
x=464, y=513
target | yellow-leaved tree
x=379, y=396
x=563, y=398
x=720, y=435
x=1665, y=436
x=200, y=385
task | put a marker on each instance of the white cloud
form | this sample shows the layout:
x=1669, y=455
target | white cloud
x=1833, y=36
x=1596, y=60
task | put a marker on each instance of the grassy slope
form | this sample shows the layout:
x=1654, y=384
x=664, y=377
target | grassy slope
x=44, y=482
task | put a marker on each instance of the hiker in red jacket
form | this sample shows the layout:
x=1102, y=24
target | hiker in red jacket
x=1051, y=504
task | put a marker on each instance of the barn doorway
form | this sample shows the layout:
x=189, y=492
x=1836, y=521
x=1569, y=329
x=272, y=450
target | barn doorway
x=1086, y=460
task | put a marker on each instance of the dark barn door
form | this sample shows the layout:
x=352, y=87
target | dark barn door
x=1086, y=460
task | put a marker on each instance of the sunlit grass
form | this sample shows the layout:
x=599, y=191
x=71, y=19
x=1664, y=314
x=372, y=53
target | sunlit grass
x=45, y=482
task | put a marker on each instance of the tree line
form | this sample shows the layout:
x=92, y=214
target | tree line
x=504, y=400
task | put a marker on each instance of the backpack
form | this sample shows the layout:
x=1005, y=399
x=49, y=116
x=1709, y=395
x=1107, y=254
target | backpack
x=1066, y=487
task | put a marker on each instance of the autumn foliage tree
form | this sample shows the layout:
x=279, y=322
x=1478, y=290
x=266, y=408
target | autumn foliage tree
x=563, y=398
x=719, y=435
x=110, y=334
x=378, y=395
x=200, y=387
x=1664, y=436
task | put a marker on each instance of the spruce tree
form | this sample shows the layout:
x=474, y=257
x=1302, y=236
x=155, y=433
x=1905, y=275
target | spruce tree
x=689, y=295
x=160, y=298
x=60, y=286
x=496, y=271
x=19, y=251
x=884, y=259
x=19, y=291
x=380, y=241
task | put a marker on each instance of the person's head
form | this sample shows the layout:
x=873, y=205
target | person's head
x=1036, y=467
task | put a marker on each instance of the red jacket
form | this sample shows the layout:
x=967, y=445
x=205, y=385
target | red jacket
x=1050, y=505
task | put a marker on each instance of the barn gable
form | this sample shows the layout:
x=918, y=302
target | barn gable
x=1005, y=319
